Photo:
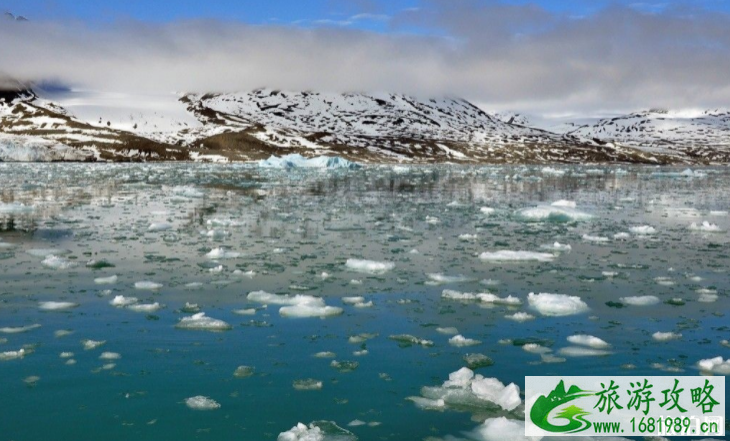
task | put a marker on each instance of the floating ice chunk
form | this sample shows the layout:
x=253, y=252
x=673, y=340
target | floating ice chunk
x=502, y=429
x=15, y=208
x=589, y=341
x=534, y=348
x=199, y=322
x=249, y=311
x=353, y=300
x=440, y=279
x=593, y=238
x=468, y=237
x=188, y=191
x=66, y=354
x=715, y=365
x=317, y=431
x=344, y=366
x=266, y=298
x=121, y=301
x=106, y=280
x=516, y=256
x=666, y=336
x=19, y=329
x=460, y=341
x=145, y=307
x=296, y=160
x=707, y=295
x=62, y=333
x=705, y=227
x=557, y=304
x=243, y=371
x=309, y=310
x=202, y=403
x=557, y=246
x=564, y=203
x=159, y=226
x=487, y=211
x=481, y=297
x=147, y=285
x=408, y=339
x=44, y=252
x=56, y=306
x=621, y=236
x=551, y=213
x=432, y=220
x=222, y=253
x=92, y=344
x=447, y=331
x=664, y=281
x=307, y=384
x=190, y=308
x=643, y=230
x=325, y=354
x=109, y=356
x=520, y=317
x=57, y=262
x=578, y=351
x=31, y=380
x=369, y=266
x=550, y=171
x=464, y=389
x=640, y=300
x=12, y=355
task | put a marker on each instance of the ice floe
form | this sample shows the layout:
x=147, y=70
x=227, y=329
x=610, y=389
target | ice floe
x=57, y=262
x=557, y=246
x=296, y=160
x=408, y=340
x=581, y=351
x=145, y=307
x=516, y=256
x=56, y=306
x=19, y=329
x=460, y=341
x=465, y=389
x=520, y=317
x=317, y=431
x=106, y=280
x=159, y=226
x=640, y=300
x=222, y=253
x=147, y=285
x=705, y=227
x=643, y=230
x=202, y=403
x=369, y=266
x=307, y=384
x=594, y=238
x=310, y=310
x=92, y=344
x=589, y=341
x=121, y=301
x=552, y=213
x=557, y=304
x=12, y=355
x=488, y=298
x=715, y=366
x=441, y=279
x=666, y=336
x=243, y=371
x=200, y=322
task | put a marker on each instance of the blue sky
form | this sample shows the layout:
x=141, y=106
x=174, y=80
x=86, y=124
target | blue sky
x=360, y=14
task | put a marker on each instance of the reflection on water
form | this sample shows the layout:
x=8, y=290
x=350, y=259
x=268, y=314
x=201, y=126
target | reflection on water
x=208, y=236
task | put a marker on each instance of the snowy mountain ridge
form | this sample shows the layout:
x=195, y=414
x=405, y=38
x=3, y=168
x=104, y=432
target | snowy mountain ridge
x=381, y=127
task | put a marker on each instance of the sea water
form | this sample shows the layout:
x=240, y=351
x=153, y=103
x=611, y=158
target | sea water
x=232, y=302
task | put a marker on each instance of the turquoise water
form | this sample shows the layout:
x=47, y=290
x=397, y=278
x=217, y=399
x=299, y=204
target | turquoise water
x=282, y=230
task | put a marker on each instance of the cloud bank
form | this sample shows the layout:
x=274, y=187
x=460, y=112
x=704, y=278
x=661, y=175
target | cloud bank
x=509, y=57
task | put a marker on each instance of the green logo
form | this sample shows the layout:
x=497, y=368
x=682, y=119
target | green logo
x=542, y=408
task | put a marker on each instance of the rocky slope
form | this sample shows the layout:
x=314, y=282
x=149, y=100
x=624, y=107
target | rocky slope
x=262, y=123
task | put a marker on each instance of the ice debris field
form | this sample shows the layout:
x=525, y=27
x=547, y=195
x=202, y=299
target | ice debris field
x=316, y=300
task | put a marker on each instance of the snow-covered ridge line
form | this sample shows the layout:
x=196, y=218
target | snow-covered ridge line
x=253, y=126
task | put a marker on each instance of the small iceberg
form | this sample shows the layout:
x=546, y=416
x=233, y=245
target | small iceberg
x=557, y=305
x=369, y=266
x=298, y=161
x=516, y=256
x=202, y=403
x=56, y=306
x=200, y=322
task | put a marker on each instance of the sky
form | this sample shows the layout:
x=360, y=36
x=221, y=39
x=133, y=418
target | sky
x=542, y=56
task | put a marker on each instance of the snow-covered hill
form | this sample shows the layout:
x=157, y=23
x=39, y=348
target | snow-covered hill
x=83, y=125
x=700, y=135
